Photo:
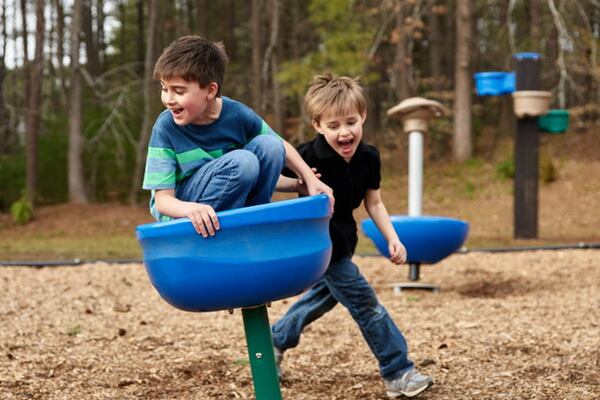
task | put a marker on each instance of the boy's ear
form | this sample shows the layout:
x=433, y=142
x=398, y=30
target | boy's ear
x=213, y=89
x=316, y=125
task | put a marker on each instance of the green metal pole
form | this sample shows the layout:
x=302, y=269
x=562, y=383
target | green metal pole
x=260, y=352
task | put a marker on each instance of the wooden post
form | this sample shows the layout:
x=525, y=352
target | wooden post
x=528, y=69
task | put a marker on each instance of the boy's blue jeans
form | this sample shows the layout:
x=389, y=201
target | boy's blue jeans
x=344, y=283
x=240, y=178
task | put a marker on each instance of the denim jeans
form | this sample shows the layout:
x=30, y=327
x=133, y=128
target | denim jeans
x=344, y=283
x=240, y=178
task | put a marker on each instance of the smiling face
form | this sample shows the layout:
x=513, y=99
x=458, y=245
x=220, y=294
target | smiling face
x=187, y=101
x=342, y=132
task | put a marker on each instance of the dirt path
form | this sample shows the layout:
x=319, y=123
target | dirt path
x=504, y=326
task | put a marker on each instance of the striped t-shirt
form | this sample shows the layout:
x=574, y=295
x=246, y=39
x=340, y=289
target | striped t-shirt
x=175, y=151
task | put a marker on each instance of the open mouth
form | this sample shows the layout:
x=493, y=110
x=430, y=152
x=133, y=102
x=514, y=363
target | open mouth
x=346, y=144
x=176, y=111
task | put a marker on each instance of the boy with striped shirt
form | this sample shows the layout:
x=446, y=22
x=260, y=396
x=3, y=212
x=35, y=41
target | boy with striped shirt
x=208, y=152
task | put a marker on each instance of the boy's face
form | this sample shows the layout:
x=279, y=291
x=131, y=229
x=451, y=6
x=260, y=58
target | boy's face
x=187, y=101
x=342, y=132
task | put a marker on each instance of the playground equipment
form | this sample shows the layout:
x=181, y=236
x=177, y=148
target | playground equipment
x=428, y=239
x=531, y=106
x=261, y=254
x=555, y=121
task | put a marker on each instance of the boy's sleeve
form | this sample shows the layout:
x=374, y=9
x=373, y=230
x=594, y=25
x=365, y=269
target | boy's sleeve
x=161, y=164
x=255, y=125
x=375, y=177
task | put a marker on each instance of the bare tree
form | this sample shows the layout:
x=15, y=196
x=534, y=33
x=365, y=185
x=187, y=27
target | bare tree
x=91, y=50
x=463, y=146
x=256, y=87
x=77, y=193
x=142, y=145
x=6, y=132
x=271, y=58
x=435, y=40
x=201, y=17
x=33, y=114
x=401, y=75
x=60, y=39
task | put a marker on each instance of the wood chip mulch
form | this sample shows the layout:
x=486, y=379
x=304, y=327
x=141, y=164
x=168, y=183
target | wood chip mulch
x=504, y=326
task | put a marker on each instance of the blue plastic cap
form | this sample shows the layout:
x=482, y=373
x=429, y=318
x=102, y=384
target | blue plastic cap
x=527, y=56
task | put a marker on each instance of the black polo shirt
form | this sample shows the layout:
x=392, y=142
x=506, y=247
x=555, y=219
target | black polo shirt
x=349, y=181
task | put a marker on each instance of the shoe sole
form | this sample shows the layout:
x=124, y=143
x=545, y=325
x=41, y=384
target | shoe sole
x=395, y=395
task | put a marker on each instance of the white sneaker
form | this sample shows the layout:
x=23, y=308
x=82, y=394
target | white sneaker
x=410, y=384
x=278, y=359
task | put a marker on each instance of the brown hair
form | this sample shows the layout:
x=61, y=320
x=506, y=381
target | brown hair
x=193, y=58
x=332, y=94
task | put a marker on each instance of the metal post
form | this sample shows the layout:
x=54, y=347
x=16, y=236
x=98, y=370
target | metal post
x=415, y=174
x=260, y=352
x=527, y=70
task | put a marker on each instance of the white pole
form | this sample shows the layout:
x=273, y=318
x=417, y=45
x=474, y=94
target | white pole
x=415, y=174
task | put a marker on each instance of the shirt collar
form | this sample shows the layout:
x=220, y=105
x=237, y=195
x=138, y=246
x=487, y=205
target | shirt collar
x=324, y=150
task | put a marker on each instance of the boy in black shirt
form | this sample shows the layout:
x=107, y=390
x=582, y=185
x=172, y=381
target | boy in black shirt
x=337, y=108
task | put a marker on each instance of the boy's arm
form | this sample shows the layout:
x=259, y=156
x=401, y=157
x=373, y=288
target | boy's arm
x=294, y=161
x=293, y=185
x=377, y=211
x=203, y=217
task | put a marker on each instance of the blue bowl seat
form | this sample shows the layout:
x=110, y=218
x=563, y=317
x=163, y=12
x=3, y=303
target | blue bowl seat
x=261, y=254
x=428, y=239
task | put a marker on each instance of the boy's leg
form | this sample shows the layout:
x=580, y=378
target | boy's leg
x=315, y=303
x=223, y=183
x=351, y=289
x=270, y=153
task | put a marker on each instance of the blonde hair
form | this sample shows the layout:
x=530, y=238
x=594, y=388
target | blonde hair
x=330, y=94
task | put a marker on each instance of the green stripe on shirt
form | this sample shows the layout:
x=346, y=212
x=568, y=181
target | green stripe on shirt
x=158, y=178
x=198, y=154
x=161, y=152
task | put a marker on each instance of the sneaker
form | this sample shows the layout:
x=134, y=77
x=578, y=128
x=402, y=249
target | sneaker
x=278, y=359
x=409, y=385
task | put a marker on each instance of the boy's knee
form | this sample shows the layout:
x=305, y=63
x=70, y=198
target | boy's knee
x=245, y=165
x=269, y=144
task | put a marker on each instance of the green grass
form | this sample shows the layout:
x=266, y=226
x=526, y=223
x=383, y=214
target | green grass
x=68, y=248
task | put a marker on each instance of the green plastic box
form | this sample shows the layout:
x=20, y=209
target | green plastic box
x=555, y=121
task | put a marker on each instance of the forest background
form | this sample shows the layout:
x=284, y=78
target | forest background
x=78, y=102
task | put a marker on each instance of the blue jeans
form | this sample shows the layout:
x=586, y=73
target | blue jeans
x=240, y=178
x=344, y=283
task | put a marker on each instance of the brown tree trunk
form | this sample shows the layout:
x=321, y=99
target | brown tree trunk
x=227, y=25
x=149, y=93
x=91, y=51
x=34, y=100
x=401, y=61
x=201, y=17
x=535, y=24
x=435, y=44
x=462, y=92
x=256, y=85
x=60, y=50
x=77, y=192
x=274, y=43
x=30, y=142
x=450, y=41
x=7, y=137
x=100, y=36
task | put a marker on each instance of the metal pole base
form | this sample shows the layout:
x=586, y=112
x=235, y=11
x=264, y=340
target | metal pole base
x=260, y=352
x=413, y=276
x=399, y=287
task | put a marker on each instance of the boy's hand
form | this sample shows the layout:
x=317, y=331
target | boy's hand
x=301, y=185
x=397, y=251
x=315, y=186
x=204, y=219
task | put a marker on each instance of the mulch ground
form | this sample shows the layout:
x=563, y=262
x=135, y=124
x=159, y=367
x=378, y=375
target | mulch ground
x=504, y=326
